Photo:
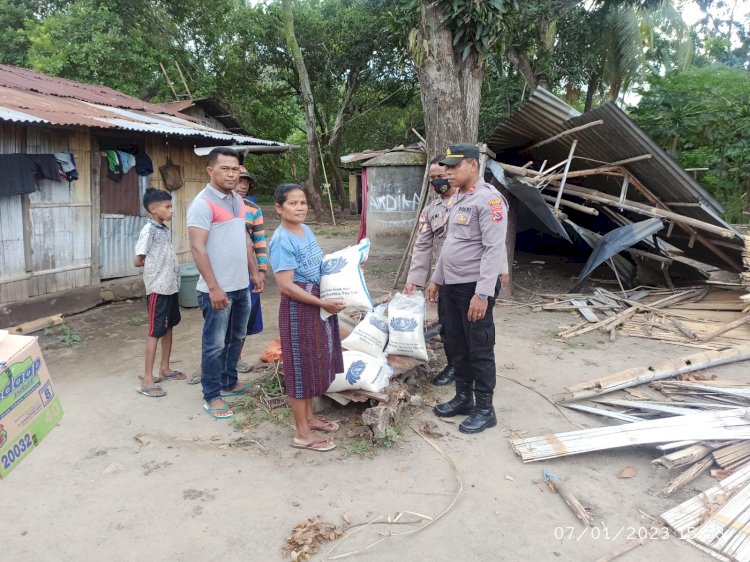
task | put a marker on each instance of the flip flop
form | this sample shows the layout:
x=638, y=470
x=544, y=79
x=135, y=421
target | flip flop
x=243, y=367
x=225, y=416
x=146, y=391
x=244, y=389
x=312, y=446
x=173, y=376
x=332, y=426
x=195, y=379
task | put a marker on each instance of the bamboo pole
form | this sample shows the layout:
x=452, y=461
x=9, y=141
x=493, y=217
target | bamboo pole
x=593, y=195
x=422, y=200
x=576, y=206
x=725, y=329
x=649, y=373
x=565, y=173
x=563, y=134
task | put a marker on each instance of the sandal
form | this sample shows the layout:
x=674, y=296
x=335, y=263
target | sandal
x=173, y=376
x=241, y=391
x=321, y=445
x=151, y=391
x=328, y=427
x=243, y=367
x=223, y=414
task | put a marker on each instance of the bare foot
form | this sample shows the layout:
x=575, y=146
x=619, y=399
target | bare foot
x=319, y=423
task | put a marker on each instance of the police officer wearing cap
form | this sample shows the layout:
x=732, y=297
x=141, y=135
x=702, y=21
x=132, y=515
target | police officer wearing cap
x=467, y=280
x=432, y=228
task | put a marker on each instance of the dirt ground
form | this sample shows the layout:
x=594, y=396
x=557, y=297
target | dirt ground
x=126, y=477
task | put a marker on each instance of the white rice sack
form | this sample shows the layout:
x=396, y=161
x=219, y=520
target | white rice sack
x=341, y=278
x=406, y=326
x=363, y=372
x=371, y=335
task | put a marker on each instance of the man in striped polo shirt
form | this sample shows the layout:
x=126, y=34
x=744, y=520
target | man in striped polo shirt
x=256, y=230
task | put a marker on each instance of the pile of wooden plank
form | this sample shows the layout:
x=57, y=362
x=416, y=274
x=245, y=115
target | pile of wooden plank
x=697, y=424
x=705, y=317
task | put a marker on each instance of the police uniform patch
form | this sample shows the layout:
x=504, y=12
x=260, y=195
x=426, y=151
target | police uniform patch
x=496, y=207
x=422, y=222
x=463, y=219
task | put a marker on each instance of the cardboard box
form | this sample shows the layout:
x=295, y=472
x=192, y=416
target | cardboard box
x=29, y=408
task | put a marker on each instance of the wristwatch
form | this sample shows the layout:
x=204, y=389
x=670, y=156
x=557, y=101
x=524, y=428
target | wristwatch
x=481, y=296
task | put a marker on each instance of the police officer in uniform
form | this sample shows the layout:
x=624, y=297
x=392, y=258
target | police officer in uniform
x=432, y=229
x=467, y=280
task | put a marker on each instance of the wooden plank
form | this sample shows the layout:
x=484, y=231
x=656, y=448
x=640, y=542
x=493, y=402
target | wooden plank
x=688, y=455
x=684, y=478
x=36, y=325
x=728, y=424
x=579, y=510
x=585, y=311
x=724, y=329
x=689, y=514
x=566, y=133
x=670, y=368
x=604, y=413
x=633, y=206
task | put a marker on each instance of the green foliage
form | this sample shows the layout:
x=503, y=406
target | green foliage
x=65, y=335
x=476, y=26
x=14, y=44
x=702, y=118
x=93, y=43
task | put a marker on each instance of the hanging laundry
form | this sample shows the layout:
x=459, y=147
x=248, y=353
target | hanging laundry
x=114, y=165
x=143, y=164
x=68, y=164
x=45, y=166
x=127, y=160
x=18, y=174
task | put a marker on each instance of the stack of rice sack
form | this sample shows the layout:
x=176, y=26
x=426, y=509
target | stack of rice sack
x=397, y=329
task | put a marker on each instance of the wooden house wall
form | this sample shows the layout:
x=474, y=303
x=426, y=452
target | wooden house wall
x=45, y=236
x=195, y=178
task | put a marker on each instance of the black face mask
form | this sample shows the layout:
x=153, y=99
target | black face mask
x=440, y=185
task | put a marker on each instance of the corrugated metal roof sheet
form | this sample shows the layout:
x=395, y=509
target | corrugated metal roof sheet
x=27, y=96
x=30, y=81
x=544, y=115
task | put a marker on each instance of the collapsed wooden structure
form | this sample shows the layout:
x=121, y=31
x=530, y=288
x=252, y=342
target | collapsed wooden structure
x=597, y=177
x=695, y=422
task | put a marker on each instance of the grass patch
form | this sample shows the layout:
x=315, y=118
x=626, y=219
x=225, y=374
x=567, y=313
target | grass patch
x=358, y=447
x=138, y=319
x=65, y=335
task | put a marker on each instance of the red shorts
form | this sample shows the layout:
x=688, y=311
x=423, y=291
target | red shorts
x=163, y=313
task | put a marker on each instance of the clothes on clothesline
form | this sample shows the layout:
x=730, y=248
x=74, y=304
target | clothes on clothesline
x=127, y=160
x=114, y=166
x=120, y=162
x=67, y=163
x=21, y=171
x=143, y=164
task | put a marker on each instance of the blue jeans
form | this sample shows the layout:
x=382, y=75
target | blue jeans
x=223, y=333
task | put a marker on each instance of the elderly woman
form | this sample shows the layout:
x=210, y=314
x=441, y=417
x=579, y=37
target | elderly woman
x=310, y=347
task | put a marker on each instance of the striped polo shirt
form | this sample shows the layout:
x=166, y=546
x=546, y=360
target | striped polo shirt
x=223, y=216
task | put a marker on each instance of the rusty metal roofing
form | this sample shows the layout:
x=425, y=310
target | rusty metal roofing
x=30, y=81
x=618, y=138
x=30, y=97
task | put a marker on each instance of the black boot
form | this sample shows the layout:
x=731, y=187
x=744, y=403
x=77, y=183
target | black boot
x=482, y=417
x=446, y=377
x=461, y=404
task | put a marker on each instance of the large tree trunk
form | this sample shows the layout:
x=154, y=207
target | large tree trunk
x=451, y=88
x=333, y=138
x=308, y=104
x=337, y=182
